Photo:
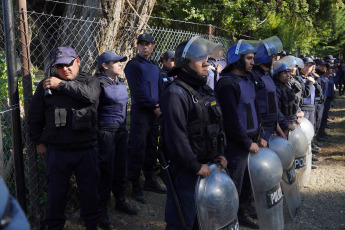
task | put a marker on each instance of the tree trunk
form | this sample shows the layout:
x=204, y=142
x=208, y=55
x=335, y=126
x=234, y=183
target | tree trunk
x=99, y=26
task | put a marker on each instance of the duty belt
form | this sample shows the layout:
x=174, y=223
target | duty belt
x=6, y=217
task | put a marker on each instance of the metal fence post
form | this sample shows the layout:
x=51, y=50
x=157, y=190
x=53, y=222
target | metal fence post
x=33, y=184
x=209, y=32
x=14, y=101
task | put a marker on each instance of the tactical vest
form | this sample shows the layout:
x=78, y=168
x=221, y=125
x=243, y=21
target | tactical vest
x=266, y=96
x=150, y=78
x=246, y=110
x=68, y=120
x=288, y=100
x=204, y=129
x=310, y=100
x=112, y=104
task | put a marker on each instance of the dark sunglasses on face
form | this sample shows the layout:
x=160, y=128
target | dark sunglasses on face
x=61, y=66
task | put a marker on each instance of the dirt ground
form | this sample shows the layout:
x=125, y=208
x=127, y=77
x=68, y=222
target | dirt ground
x=323, y=197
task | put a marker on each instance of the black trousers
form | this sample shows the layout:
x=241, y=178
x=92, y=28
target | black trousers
x=112, y=163
x=60, y=167
x=143, y=143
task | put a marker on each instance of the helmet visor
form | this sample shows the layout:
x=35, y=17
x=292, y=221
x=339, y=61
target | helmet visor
x=198, y=49
x=273, y=45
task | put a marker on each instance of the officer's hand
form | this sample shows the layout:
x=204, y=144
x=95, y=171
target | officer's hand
x=223, y=162
x=205, y=170
x=298, y=122
x=254, y=148
x=52, y=83
x=212, y=68
x=291, y=127
x=219, y=68
x=300, y=114
x=262, y=143
x=41, y=149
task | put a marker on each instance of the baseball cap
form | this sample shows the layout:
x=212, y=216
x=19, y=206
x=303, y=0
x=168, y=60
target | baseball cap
x=63, y=55
x=168, y=54
x=145, y=37
x=308, y=60
x=109, y=56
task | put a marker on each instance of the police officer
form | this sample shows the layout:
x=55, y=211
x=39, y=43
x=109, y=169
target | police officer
x=143, y=81
x=192, y=128
x=320, y=101
x=112, y=136
x=322, y=135
x=168, y=60
x=341, y=76
x=216, y=65
x=311, y=93
x=287, y=100
x=265, y=87
x=63, y=124
x=236, y=94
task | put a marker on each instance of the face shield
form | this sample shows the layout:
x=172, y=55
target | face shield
x=217, y=52
x=292, y=61
x=280, y=66
x=197, y=49
x=269, y=47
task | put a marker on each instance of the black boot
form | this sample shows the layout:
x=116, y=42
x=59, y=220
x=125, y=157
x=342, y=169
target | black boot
x=246, y=220
x=122, y=206
x=151, y=184
x=104, y=221
x=137, y=192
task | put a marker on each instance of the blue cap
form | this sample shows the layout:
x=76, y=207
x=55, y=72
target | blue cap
x=320, y=62
x=329, y=57
x=63, y=55
x=109, y=56
x=145, y=37
x=168, y=54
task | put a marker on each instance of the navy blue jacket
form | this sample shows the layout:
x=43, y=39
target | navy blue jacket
x=143, y=81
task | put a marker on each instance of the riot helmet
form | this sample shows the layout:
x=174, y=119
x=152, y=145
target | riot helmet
x=268, y=48
x=292, y=61
x=278, y=67
x=235, y=54
x=217, y=52
x=195, y=49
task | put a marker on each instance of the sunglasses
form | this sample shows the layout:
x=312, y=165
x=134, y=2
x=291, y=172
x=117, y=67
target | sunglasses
x=61, y=66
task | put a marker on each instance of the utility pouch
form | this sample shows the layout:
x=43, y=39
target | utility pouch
x=81, y=119
x=60, y=117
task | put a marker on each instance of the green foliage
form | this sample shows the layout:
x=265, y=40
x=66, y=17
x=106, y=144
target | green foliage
x=3, y=77
x=4, y=81
x=304, y=26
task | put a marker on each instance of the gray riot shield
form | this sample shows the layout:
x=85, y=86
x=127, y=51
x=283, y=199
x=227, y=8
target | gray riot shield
x=308, y=130
x=299, y=141
x=216, y=201
x=265, y=171
x=288, y=182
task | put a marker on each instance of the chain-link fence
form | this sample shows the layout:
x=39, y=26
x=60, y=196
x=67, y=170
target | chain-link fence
x=36, y=38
